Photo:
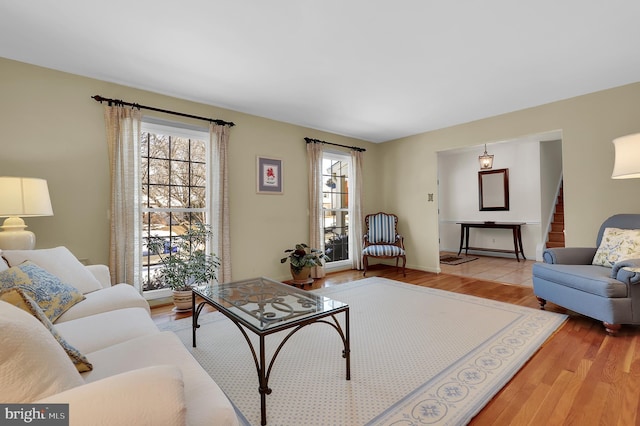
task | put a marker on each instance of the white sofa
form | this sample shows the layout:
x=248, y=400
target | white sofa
x=139, y=374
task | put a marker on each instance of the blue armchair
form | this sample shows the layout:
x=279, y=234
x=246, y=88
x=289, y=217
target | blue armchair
x=569, y=279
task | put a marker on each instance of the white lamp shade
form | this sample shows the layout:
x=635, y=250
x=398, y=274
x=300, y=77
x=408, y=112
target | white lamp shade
x=627, y=157
x=24, y=197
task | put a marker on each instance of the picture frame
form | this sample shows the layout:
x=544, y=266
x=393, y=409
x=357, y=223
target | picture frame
x=270, y=176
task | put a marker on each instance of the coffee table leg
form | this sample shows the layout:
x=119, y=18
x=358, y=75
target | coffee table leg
x=347, y=345
x=264, y=386
x=194, y=318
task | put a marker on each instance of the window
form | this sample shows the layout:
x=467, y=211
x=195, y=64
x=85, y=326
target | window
x=335, y=206
x=174, y=182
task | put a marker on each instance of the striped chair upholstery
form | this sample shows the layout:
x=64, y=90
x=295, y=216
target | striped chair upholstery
x=382, y=240
x=382, y=229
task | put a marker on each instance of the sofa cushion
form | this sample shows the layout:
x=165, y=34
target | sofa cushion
x=51, y=294
x=382, y=250
x=108, y=299
x=617, y=245
x=148, y=396
x=60, y=262
x=20, y=299
x=99, y=331
x=206, y=403
x=588, y=278
x=33, y=365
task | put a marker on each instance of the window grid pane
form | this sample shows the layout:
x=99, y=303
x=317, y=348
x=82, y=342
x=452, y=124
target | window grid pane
x=335, y=203
x=173, y=176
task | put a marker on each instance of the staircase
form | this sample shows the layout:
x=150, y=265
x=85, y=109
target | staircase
x=556, y=234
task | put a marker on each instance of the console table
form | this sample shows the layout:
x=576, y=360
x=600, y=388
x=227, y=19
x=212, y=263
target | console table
x=514, y=226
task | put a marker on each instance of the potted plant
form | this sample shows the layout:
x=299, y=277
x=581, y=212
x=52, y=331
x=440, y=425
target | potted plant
x=302, y=259
x=185, y=262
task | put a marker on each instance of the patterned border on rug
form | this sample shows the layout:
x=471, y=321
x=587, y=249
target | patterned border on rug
x=454, y=394
x=471, y=383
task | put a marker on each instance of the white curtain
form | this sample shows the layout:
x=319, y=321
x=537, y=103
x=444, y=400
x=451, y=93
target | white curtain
x=123, y=139
x=314, y=160
x=218, y=153
x=356, y=218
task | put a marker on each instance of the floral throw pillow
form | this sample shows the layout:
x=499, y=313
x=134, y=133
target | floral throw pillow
x=52, y=295
x=616, y=245
x=20, y=299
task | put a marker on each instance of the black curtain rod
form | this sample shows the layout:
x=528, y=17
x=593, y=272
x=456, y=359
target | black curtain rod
x=100, y=99
x=309, y=140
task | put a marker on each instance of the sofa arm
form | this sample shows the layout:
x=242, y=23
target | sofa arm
x=627, y=271
x=147, y=396
x=569, y=255
x=102, y=274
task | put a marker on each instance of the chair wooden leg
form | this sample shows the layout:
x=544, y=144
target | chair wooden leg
x=542, y=302
x=404, y=266
x=365, y=263
x=612, y=329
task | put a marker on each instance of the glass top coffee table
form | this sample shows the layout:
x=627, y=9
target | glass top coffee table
x=264, y=307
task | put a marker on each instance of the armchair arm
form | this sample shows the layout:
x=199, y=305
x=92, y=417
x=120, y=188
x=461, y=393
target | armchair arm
x=569, y=255
x=151, y=396
x=627, y=271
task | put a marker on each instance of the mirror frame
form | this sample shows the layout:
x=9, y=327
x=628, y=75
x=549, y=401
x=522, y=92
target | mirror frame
x=493, y=191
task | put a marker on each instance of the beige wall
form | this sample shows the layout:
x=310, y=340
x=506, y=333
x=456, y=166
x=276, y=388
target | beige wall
x=52, y=129
x=588, y=123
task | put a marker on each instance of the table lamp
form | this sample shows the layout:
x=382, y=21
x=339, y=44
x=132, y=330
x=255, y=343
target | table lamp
x=627, y=157
x=21, y=197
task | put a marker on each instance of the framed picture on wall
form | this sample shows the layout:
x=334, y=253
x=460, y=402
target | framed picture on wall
x=269, y=172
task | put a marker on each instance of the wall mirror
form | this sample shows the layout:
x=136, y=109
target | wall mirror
x=493, y=189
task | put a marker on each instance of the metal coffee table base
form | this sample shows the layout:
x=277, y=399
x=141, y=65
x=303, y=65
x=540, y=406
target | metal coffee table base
x=260, y=360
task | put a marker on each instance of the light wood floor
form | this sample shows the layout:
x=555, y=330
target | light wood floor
x=580, y=376
x=502, y=269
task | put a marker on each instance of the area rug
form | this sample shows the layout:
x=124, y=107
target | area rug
x=418, y=356
x=456, y=260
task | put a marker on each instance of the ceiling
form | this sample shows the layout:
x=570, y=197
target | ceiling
x=369, y=69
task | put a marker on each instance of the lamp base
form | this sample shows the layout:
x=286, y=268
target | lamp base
x=14, y=236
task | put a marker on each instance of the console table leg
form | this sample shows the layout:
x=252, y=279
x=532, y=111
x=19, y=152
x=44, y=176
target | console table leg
x=520, y=242
x=515, y=244
x=466, y=240
x=461, y=239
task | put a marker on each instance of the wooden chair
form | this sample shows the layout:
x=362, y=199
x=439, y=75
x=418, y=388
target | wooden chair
x=381, y=240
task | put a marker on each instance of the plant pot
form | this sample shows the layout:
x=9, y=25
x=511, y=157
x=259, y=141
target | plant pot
x=302, y=275
x=182, y=300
